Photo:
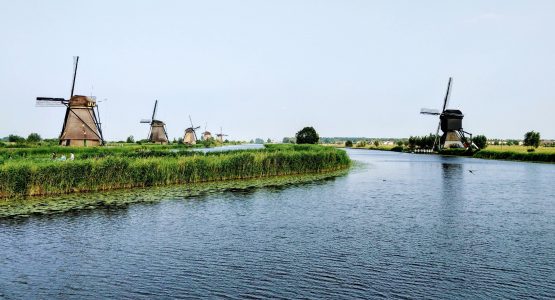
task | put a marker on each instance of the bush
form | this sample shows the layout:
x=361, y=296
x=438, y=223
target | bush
x=307, y=135
x=12, y=138
x=34, y=138
x=348, y=144
x=480, y=141
x=397, y=149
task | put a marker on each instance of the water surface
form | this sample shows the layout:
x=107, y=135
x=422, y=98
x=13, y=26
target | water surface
x=397, y=226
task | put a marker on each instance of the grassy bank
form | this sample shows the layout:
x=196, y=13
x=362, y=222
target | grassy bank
x=125, y=169
x=520, y=156
x=54, y=204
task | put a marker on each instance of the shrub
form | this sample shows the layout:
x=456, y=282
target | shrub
x=34, y=138
x=480, y=141
x=348, y=144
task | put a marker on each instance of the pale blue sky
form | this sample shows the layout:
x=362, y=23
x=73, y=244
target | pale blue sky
x=268, y=68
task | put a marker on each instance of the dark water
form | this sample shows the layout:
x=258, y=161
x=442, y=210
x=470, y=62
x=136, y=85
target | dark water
x=398, y=226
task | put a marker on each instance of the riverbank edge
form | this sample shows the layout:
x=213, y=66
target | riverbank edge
x=531, y=157
x=28, y=179
x=11, y=208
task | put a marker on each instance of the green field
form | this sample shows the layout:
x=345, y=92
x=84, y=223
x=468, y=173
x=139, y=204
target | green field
x=32, y=171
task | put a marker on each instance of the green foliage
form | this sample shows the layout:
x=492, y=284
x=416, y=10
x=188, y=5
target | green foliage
x=481, y=141
x=259, y=141
x=208, y=143
x=307, y=135
x=98, y=169
x=288, y=140
x=34, y=138
x=456, y=152
x=511, y=155
x=12, y=138
x=397, y=149
x=361, y=144
x=532, y=139
x=348, y=144
x=130, y=139
x=422, y=142
x=376, y=143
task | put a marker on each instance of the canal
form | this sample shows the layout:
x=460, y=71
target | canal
x=397, y=226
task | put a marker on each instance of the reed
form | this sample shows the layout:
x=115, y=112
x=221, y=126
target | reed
x=20, y=177
x=512, y=155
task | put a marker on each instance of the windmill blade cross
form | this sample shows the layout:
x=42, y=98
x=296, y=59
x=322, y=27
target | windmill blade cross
x=146, y=121
x=447, y=94
x=75, y=64
x=154, y=111
x=429, y=111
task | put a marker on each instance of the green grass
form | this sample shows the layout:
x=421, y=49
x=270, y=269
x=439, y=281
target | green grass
x=110, y=168
x=540, y=156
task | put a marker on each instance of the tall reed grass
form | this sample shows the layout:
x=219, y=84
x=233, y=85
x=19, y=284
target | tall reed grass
x=26, y=178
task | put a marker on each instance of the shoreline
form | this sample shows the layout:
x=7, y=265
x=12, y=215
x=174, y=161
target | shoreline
x=29, y=178
x=545, y=158
x=25, y=207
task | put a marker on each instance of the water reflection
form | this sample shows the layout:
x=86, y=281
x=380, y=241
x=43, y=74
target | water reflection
x=405, y=226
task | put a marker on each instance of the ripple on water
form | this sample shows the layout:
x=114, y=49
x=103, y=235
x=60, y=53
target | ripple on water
x=397, y=226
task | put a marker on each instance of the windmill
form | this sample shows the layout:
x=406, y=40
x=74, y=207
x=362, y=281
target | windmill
x=157, y=132
x=190, y=137
x=206, y=135
x=81, y=125
x=450, y=122
x=221, y=135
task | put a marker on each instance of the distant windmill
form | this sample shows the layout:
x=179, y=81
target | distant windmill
x=157, y=132
x=206, y=135
x=190, y=137
x=81, y=125
x=221, y=135
x=450, y=122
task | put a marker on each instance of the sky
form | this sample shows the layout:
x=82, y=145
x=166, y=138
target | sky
x=268, y=68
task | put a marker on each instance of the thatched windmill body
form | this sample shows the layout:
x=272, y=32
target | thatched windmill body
x=190, y=136
x=81, y=125
x=206, y=135
x=157, y=132
x=450, y=122
x=221, y=135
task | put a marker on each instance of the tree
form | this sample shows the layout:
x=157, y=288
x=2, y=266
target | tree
x=348, y=144
x=376, y=143
x=269, y=141
x=258, y=141
x=532, y=139
x=130, y=139
x=34, y=138
x=12, y=138
x=480, y=141
x=307, y=135
x=288, y=140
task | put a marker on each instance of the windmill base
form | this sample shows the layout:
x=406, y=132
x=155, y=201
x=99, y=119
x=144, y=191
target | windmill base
x=453, y=139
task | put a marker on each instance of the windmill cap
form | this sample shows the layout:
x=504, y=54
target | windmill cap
x=452, y=113
x=79, y=100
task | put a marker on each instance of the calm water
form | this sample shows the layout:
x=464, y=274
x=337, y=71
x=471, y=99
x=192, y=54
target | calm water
x=398, y=226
